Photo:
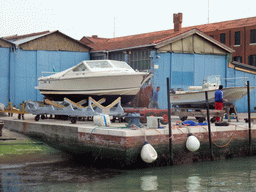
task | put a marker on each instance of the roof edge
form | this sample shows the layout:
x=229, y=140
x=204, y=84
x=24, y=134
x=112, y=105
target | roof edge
x=8, y=41
x=244, y=66
x=57, y=31
x=192, y=32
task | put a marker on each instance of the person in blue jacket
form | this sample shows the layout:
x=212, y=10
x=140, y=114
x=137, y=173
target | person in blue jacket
x=219, y=100
x=153, y=103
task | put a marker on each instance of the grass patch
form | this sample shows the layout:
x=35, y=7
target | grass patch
x=19, y=147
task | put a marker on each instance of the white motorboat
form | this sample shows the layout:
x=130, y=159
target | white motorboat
x=195, y=97
x=95, y=78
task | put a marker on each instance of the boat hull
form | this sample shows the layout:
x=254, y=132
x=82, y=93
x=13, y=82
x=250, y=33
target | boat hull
x=197, y=98
x=110, y=87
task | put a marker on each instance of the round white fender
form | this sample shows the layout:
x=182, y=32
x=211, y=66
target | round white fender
x=148, y=153
x=192, y=143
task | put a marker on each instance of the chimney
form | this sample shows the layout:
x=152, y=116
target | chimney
x=177, y=20
x=95, y=36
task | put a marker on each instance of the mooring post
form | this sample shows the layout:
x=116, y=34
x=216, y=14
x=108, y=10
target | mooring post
x=209, y=124
x=169, y=121
x=249, y=119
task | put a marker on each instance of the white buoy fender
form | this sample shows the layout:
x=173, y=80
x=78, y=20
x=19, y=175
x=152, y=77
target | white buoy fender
x=148, y=153
x=101, y=120
x=192, y=143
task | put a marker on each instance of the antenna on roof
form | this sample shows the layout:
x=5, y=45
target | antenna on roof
x=208, y=12
x=114, y=33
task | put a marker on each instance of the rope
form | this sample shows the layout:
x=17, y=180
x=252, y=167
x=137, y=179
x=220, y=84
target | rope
x=98, y=154
x=228, y=141
x=182, y=125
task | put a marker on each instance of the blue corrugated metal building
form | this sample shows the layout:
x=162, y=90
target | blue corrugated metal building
x=186, y=67
x=23, y=61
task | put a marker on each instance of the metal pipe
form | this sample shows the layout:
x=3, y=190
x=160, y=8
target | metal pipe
x=249, y=119
x=169, y=121
x=209, y=125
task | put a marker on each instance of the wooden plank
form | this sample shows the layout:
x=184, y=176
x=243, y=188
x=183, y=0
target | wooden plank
x=49, y=102
x=73, y=103
x=107, y=107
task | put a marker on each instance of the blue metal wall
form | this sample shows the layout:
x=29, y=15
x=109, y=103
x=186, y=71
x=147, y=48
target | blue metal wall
x=27, y=66
x=184, y=70
x=242, y=104
x=4, y=74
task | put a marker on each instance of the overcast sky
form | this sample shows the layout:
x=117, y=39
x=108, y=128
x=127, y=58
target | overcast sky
x=78, y=18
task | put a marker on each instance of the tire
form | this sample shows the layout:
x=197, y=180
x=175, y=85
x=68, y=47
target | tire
x=201, y=119
x=184, y=118
x=73, y=120
x=42, y=117
x=165, y=119
x=19, y=116
x=213, y=120
x=37, y=117
x=113, y=120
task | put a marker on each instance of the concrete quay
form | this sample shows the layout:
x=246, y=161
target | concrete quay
x=119, y=147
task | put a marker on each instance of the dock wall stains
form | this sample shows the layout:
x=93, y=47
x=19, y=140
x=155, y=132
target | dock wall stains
x=120, y=148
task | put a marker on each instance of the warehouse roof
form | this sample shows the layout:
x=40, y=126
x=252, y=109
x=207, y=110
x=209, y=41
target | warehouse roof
x=22, y=39
x=153, y=38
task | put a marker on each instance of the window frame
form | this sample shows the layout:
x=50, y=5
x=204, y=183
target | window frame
x=223, y=38
x=237, y=38
x=253, y=36
x=250, y=60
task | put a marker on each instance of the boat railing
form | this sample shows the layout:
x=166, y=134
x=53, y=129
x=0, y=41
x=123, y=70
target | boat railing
x=234, y=82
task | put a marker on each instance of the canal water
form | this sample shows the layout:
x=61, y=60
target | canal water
x=238, y=174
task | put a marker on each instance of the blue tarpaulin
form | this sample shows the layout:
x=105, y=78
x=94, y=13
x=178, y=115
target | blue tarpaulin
x=192, y=123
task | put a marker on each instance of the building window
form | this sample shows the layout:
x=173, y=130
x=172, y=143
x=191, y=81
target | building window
x=238, y=59
x=253, y=36
x=252, y=60
x=212, y=36
x=237, y=38
x=140, y=60
x=223, y=38
x=119, y=56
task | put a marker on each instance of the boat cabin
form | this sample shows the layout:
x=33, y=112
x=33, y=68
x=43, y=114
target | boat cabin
x=102, y=66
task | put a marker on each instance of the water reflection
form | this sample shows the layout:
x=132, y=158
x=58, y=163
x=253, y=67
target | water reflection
x=149, y=183
x=230, y=175
x=38, y=177
x=193, y=183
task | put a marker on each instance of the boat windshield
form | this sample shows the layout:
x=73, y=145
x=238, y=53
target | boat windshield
x=214, y=79
x=121, y=64
x=80, y=67
x=98, y=64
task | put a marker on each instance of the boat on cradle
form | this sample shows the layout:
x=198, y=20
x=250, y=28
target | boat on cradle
x=195, y=96
x=95, y=78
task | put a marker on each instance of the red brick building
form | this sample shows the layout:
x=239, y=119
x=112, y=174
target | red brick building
x=239, y=35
